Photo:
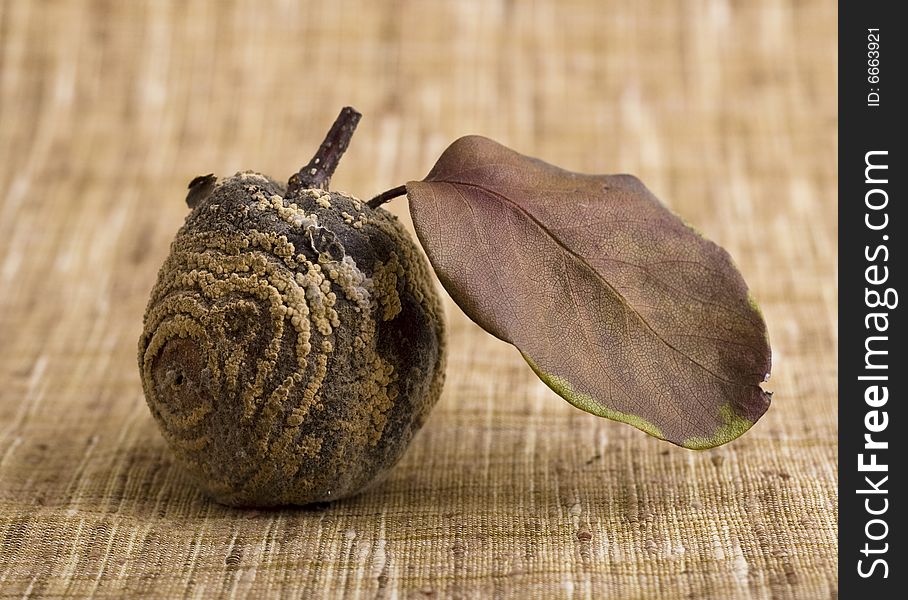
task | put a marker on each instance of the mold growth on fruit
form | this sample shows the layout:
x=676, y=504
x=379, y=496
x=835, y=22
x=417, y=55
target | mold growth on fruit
x=288, y=355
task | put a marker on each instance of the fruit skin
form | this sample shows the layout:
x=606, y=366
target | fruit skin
x=292, y=347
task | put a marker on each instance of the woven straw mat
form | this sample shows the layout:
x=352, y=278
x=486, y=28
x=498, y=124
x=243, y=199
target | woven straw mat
x=725, y=108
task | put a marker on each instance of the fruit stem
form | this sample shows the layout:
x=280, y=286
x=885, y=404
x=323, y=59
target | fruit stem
x=385, y=196
x=317, y=174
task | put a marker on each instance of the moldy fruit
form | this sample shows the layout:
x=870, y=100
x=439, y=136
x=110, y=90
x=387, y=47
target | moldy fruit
x=294, y=341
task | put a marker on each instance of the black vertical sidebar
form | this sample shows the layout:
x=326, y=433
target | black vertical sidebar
x=872, y=366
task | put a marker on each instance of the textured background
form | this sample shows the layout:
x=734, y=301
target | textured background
x=725, y=108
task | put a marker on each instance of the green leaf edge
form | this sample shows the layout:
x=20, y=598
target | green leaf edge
x=585, y=402
x=733, y=426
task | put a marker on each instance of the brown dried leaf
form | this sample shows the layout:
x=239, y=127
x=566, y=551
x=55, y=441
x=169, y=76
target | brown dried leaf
x=614, y=302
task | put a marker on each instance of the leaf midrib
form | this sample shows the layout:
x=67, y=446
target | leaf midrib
x=599, y=276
